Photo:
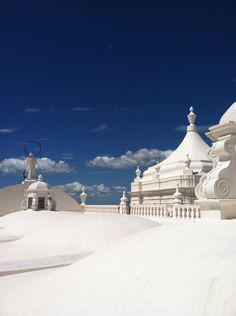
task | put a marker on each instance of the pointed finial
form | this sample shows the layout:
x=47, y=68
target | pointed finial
x=192, y=119
x=138, y=172
x=192, y=116
x=124, y=198
x=40, y=178
x=178, y=197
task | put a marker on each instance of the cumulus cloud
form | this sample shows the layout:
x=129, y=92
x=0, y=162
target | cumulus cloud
x=119, y=188
x=142, y=157
x=101, y=128
x=95, y=190
x=44, y=165
x=47, y=165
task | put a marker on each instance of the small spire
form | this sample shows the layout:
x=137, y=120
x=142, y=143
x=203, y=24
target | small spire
x=138, y=172
x=178, y=197
x=83, y=197
x=40, y=178
x=192, y=119
x=124, y=198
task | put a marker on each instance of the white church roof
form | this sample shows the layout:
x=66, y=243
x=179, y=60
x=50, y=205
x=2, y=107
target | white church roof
x=229, y=115
x=192, y=145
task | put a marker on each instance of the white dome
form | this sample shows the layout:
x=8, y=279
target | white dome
x=229, y=115
x=39, y=185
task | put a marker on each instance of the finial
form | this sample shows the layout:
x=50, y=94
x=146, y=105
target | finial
x=124, y=198
x=83, y=197
x=138, y=172
x=191, y=118
x=178, y=197
x=40, y=178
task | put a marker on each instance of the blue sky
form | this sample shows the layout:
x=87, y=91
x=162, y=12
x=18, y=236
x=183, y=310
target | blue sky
x=89, y=79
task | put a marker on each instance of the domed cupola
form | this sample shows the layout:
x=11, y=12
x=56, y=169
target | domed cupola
x=40, y=196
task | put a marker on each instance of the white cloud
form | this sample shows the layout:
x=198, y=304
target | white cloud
x=142, y=157
x=12, y=165
x=101, y=128
x=119, y=188
x=44, y=165
x=47, y=165
x=8, y=130
x=33, y=110
x=82, y=109
x=95, y=190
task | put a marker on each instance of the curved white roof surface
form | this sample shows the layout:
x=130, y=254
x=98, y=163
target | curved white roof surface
x=229, y=115
x=192, y=145
x=39, y=185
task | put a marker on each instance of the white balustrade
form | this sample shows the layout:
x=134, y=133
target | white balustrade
x=114, y=209
x=185, y=211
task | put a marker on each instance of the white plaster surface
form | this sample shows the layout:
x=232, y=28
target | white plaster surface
x=176, y=269
x=229, y=115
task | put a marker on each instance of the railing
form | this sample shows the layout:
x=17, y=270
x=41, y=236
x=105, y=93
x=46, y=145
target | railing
x=114, y=209
x=172, y=211
x=185, y=211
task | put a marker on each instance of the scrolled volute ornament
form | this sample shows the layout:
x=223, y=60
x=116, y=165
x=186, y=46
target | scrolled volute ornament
x=212, y=154
x=222, y=188
x=229, y=147
x=223, y=149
